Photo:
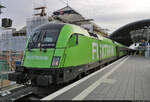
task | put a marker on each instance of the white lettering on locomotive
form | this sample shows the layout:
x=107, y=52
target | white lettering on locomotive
x=95, y=50
x=37, y=57
x=106, y=50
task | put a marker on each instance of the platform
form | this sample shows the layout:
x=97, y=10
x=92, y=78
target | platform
x=126, y=79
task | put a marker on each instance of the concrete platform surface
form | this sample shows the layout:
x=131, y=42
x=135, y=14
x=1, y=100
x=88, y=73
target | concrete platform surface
x=126, y=79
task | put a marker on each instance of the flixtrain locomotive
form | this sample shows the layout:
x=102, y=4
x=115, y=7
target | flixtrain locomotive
x=58, y=53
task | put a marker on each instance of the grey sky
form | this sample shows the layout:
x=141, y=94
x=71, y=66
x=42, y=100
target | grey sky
x=110, y=14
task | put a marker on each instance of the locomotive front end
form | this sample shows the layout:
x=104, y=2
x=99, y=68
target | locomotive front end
x=41, y=58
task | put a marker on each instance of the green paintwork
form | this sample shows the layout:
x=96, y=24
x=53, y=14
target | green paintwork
x=38, y=59
x=88, y=50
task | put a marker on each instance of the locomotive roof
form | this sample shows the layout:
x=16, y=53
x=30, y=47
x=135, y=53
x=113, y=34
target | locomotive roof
x=51, y=26
x=75, y=29
x=61, y=25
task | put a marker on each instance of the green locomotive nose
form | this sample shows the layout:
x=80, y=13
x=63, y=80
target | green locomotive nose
x=41, y=48
x=38, y=59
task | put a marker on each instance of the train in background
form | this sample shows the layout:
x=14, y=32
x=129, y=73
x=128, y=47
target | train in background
x=58, y=53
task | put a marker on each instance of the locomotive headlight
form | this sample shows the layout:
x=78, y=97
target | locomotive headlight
x=55, y=61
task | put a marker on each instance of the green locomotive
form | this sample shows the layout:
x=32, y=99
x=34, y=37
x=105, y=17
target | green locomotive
x=58, y=53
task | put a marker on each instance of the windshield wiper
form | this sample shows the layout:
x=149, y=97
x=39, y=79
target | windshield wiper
x=42, y=36
x=32, y=43
x=30, y=46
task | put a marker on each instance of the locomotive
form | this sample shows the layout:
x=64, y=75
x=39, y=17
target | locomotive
x=59, y=53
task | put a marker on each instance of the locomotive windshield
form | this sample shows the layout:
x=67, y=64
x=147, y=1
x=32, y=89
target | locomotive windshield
x=50, y=36
x=35, y=37
x=44, y=39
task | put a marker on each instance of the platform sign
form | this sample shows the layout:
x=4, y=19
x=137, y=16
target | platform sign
x=145, y=44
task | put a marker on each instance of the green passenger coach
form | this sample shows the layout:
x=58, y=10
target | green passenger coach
x=58, y=53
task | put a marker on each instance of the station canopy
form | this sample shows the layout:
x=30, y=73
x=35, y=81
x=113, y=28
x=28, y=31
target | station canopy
x=131, y=33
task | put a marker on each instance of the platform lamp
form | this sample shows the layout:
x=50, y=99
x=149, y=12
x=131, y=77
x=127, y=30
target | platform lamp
x=147, y=50
x=148, y=47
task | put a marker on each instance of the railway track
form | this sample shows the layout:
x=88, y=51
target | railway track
x=24, y=93
x=9, y=88
x=16, y=94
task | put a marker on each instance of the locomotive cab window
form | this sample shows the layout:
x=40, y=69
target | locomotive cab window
x=35, y=38
x=50, y=36
x=44, y=38
x=73, y=40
